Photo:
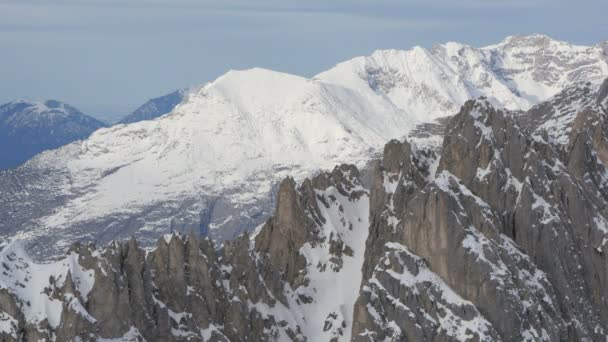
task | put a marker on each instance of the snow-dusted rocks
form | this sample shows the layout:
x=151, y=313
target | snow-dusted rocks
x=296, y=279
x=28, y=128
x=507, y=222
x=554, y=118
x=40, y=298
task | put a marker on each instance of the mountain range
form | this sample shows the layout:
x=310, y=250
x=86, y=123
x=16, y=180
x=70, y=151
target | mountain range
x=498, y=233
x=212, y=165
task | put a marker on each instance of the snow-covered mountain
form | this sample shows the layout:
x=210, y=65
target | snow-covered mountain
x=212, y=163
x=226, y=145
x=155, y=107
x=29, y=127
x=517, y=73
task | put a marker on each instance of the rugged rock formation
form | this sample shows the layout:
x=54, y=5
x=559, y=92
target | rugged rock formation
x=499, y=235
x=505, y=224
x=276, y=285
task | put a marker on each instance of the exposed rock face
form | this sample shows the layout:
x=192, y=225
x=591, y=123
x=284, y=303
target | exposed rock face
x=505, y=224
x=499, y=235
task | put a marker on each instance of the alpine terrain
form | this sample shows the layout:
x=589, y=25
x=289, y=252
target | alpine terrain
x=213, y=164
x=498, y=233
x=28, y=128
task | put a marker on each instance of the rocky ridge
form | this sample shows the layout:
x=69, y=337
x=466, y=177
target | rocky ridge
x=500, y=235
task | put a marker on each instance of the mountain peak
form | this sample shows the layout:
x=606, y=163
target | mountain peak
x=260, y=91
x=534, y=39
x=23, y=110
x=391, y=56
x=156, y=107
x=31, y=127
x=251, y=77
x=49, y=108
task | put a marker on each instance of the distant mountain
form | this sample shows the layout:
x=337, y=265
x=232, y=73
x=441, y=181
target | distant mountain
x=517, y=73
x=155, y=107
x=213, y=163
x=28, y=128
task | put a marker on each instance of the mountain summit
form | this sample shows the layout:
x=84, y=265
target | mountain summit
x=155, y=107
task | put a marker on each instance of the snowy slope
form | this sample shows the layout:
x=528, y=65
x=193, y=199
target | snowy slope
x=517, y=73
x=334, y=286
x=231, y=138
x=231, y=131
x=211, y=164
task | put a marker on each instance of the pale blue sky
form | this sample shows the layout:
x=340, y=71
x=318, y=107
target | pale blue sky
x=106, y=57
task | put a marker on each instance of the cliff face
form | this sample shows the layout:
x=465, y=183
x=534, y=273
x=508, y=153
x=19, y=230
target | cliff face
x=499, y=235
x=508, y=237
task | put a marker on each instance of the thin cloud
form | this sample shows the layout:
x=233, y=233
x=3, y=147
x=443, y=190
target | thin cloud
x=34, y=16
